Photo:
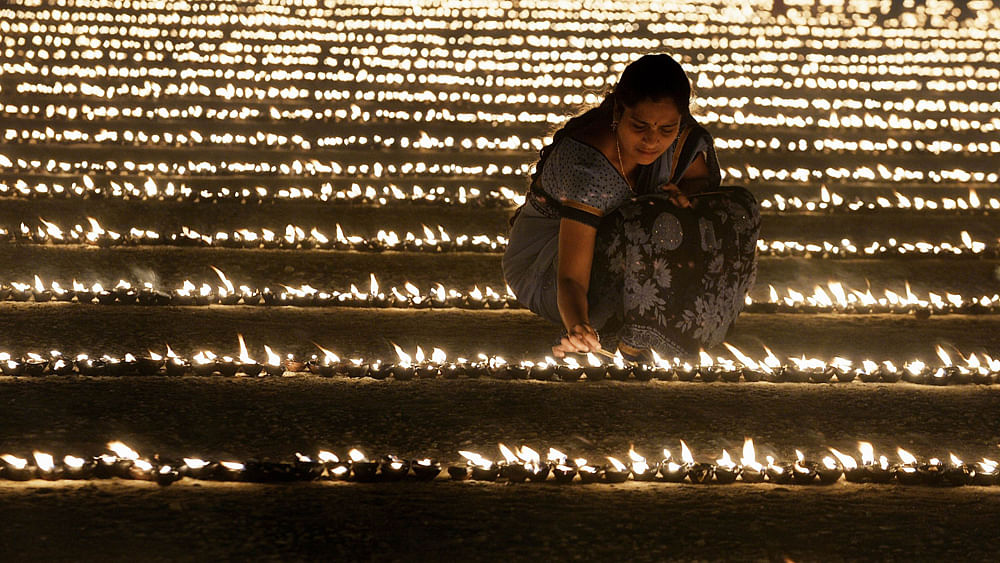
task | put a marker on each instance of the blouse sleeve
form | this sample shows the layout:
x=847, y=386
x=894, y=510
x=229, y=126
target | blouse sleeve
x=580, y=178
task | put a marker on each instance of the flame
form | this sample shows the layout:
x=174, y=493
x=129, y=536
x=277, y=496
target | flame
x=725, y=461
x=619, y=466
x=556, y=456
x=592, y=360
x=867, y=453
x=73, y=462
x=225, y=280
x=328, y=356
x=476, y=459
x=356, y=455
x=955, y=461
x=529, y=455
x=123, y=451
x=906, y=456
x=638, y=462
x=142, y=464
x=404, y=358
x=39, y=286
x=419, y=356
x=244, y=356
x=686, y=454
x=847, y=461
x=14, y=461
x=272, y=358
x=44, y=461
x=373, y=284
x=195, y=463
x=327, y=457
x=232, y=465
x=438, y=356
x=740, y=356
x=749, y=457
x=799, y=458
x=945, y=358
x=509, y=456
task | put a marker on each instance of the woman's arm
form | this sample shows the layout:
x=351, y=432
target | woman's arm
x=695, y=179
x=576, y=255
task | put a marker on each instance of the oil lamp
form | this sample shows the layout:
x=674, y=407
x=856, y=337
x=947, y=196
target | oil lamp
x=363, y=469
x=305, y=468
x=105, y=466
x=615, y=471
x=751, y=471
x=779, y=473
x=200, y=469
x=167, y=475
x=226, y=366
x=392, y=468
x=336, y=469
x=19, y=292
x=544, y=370
x=595, y=369
x=588, y=473
x=124, y=458
x=496, y=367
x=59, y=365
x=204, y=363
x=706, y=368
x=618, y=370
x=357, y=368
x=932, y=472
x=77, y=468
x=671, y=471
x=519, y=371
x=889, y=373
x=46, y=467
x=803, y=472
x=957, y=473
x=562, y=471
x=726, y=471
x=480, y=468
x=984, y=473
x=842, y=369
x=698, y=473
x=641, y=471
x=685, y=372
x=149, y=365
x=852, y=473
x=230, y=471
x=40, y=292
x=569, y=370
x=907, y=473
x=140, y=470
x=512, y=468
x=868, y=372
x=244, y=363
x=916, y=372
x=273, y=366
x=34, y=365
x=380, y=371
x=538, y=472
x=10, y=366
x=428, y=370
x=16, y=468
x=425, y=469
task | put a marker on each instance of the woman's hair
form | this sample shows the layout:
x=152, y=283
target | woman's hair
x=651, y=77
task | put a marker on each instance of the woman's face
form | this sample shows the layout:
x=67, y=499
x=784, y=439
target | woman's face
x=647, y=129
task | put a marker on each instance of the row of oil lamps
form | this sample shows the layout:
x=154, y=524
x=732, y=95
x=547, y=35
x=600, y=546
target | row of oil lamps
x=296, y=237
x=827, y=201
x=980, y=369
x=834, y=298
x=518, y=465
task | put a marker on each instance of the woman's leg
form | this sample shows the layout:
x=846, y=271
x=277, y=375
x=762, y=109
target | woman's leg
x=682, y=274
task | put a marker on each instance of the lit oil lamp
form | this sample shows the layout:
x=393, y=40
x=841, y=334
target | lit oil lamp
x=336, y=469
x=480, y=468
x=363, y=469
x=916, y=372
x=16, y=468
x=562, y=471
x=105, y=466
x=428, y=370
x=204, y=363
x=889, y=373
x=907, y=473
x=615, y=471
x=306, y=468
x=512, y=468
x=868, y=372
x=166, y=475
x=175, y=366
x=670, y=470
x=569, y=370
x=748, y=368
x=425, y=469
x=77, y=468
x=244, y=363
x=403, y=369
x=641, y=471
x=293, y=364
x=19, y=292
x=618, y=370
x=356, y=368
x=392, y=468
x=9, y=366
x=842, y=369
x=685, y=372
x=544, y=370
x=41, y=293
x=984, y=473
x=956, y=472
x=538, y=472
x=230, y=471
x=726, y=470
x=588, y=473
x=46, y=467
x=124, y=458
x=751, y=471
x=227, y=366
x=595, y=369
x=520, y=370
x=779, y=473
x=803, y=472
x=380, y=371
x=852, y=473
x=59, y=365
x=149, y=365
x=34, y=365
x=706, y=368
x=697, y=472
x=273, y=366
x=197, y=468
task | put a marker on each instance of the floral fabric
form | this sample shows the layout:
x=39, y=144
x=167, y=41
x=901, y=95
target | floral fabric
x=677, y=277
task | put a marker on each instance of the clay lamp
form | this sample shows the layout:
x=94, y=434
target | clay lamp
x=41, y=293
x=197, y=468
x=428, y=369
x=985, y=473
x=175, y=366
x=9, y=366
x=46, y=467
x=916, y=372
x=698, y=473
x=244, y=363
x=166, y=475
x=538, y=471
x=588, y=473
x=336, y=468
x=751, y=471
x=16, y=468
x=273, y=366
x=512, y=468
x=362, y=469
x=842, y=369
x=306, y=468
x=231, y=471
x=641, y=470
x=227, y=366
x=868, y=372
x=403, y=369
x=670, y=470
x=77, y=468
x=425, y=469
x=803, y=472
x=544, y=370
x=779, y=473
x=59, y=365
x=149, y=365
x=357, y=368
x=618, y=370
x=726, y=470
x=907, y=472
x=595, y=369
x=480, y=468
x=562, y=471
x=203, y=363
x=34, y=365
x=852, y=473
x=956, y=472
x=615, y=471
x=392, y=468
x=889, y=373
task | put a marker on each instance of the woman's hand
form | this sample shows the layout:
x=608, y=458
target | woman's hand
x=677, y=197
x=582, y=338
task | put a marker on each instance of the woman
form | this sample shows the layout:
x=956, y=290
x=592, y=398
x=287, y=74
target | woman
x=626, y=236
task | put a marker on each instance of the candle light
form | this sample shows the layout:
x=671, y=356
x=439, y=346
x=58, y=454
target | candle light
x=984, y=473
x=480, y=468
x=46, y=467
x=615, y=471
x=512, y=468
x=392, y=468
x=273, y=366
x=166, y=475
x=641, y=471
x=77, y=468
x=245, y=364
x=726, y=470
x=595, y=369
x=362, y=469
x=16, y=468
x=907, y=472
x=588, y=473
x=751, y=471
x=803, y=472
x=956, y=472
x=336, y=469
x=849, y=466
